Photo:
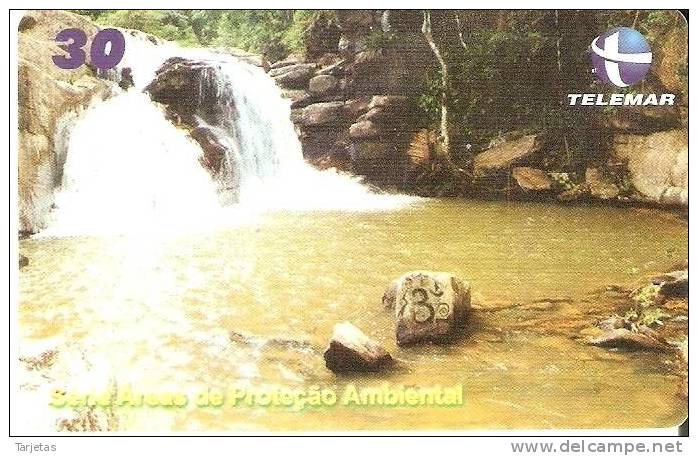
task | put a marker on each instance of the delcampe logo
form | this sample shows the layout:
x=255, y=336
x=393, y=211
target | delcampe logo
x=621, y=56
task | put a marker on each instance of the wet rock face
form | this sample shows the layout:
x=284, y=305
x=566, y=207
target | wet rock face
x=429, y=306
x=351, y=350
x=47, y=97
x=188, y=88
x=213, y=151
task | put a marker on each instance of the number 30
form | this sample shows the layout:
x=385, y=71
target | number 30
x=72, y=41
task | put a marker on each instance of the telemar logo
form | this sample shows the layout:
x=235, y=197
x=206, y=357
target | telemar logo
x=621, y=57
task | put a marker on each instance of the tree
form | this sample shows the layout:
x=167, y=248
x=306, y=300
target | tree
x=444, y=151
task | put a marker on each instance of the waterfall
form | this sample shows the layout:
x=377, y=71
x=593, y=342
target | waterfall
x=127, y=167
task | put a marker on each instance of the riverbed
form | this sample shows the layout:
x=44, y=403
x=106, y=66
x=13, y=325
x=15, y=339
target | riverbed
x=254, y=305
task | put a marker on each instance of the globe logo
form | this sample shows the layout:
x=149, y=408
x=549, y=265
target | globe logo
x=621, y=56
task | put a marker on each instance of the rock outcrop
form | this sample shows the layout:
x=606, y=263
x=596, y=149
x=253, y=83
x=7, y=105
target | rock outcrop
x=354, y=105
x=351, y=350
x=657, y=165
x=672, y=284
x=50, y=99
x=428, y=306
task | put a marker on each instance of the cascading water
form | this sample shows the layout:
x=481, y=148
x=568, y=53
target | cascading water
x=129, y=168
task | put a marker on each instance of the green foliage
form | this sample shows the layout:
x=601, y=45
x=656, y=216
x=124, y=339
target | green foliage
x=275, y=33
x=92, y=14
x=429, y=100
x=259, y=31
x=170, y=25
x=516, y=76
x=645, y=312
x=378, y=40
x=296, y=35
x=649, y=317
x=647, y=295
x=562, y=181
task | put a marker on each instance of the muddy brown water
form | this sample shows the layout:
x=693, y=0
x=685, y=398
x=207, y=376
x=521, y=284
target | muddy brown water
x=156, y=314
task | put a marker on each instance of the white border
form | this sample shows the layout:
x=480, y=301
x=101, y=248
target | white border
x=78, y=445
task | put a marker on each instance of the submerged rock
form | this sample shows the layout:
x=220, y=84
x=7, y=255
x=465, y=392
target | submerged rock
x=351, y=350
x=429, y=306
x=271, y=342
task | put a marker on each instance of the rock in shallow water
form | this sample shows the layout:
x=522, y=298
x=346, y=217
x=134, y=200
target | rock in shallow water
x=644, y=339
x=673, y=284
x=351, y=350
x=429, y=306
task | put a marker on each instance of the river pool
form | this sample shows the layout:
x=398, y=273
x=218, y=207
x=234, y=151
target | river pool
x=157, y=313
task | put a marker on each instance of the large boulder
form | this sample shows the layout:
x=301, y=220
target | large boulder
x=356, y=107
x=428, y=306
x=532, y=179
x=351, y=350
x=50, y=100
x=298, y=97
x=293, y=76
x=363, y=130
x=184, y=87
x=506, y=155
x=381, y=160
x=657, y=164
x=322, y=113
x=323, y=84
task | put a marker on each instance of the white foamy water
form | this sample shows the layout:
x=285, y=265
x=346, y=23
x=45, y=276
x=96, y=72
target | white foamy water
x=128, y=169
